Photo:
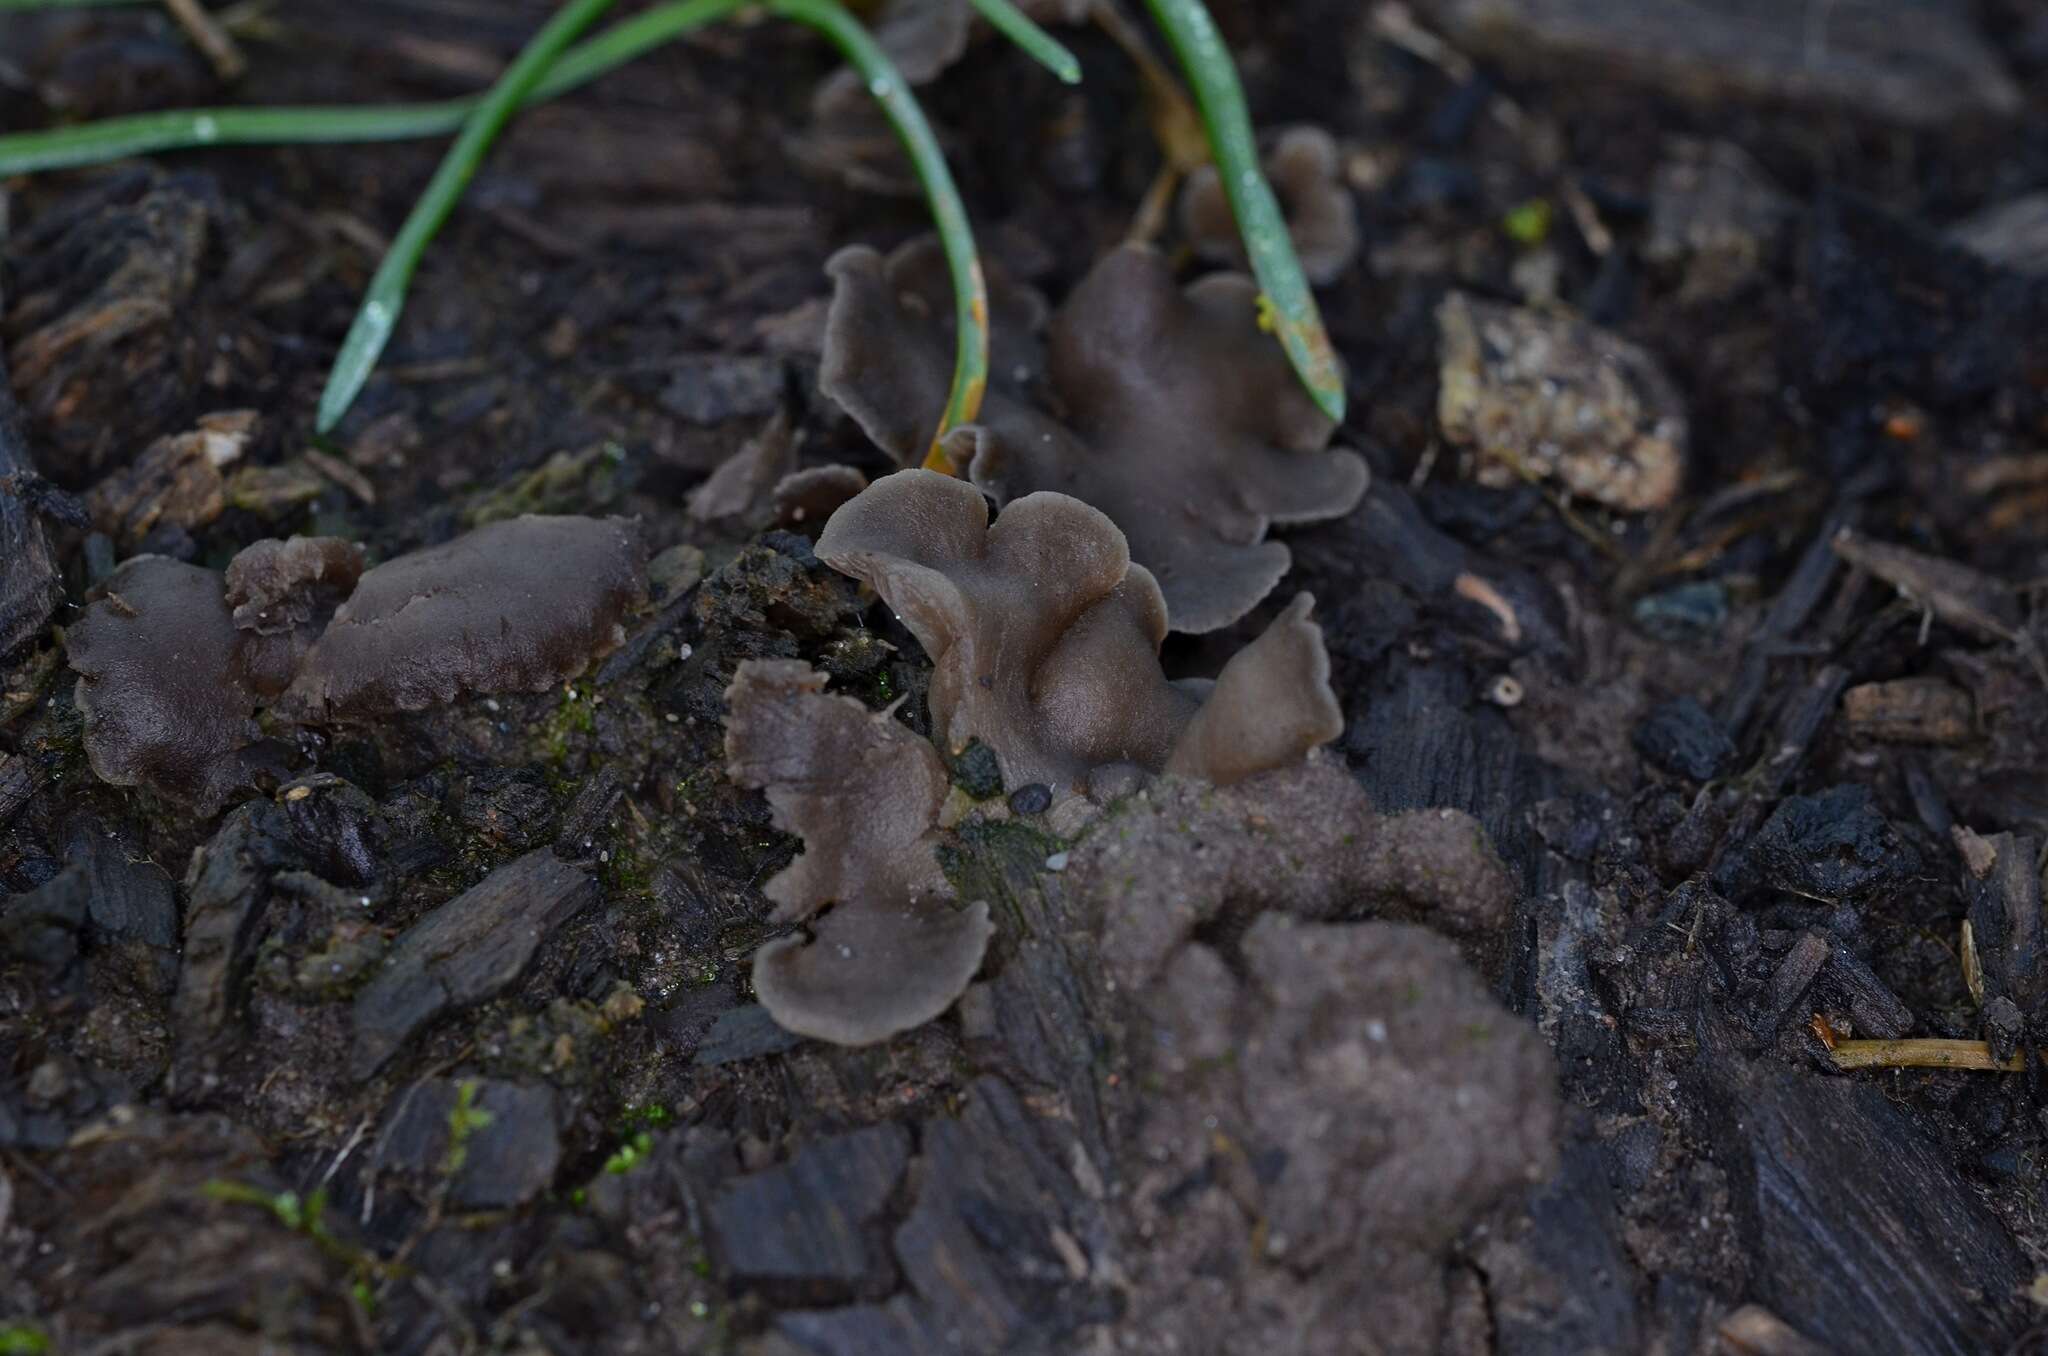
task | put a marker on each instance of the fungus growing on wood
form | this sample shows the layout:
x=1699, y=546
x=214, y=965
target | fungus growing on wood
x=761, y=484
x=166, y=701
x=737, y=490
x=863, y=793
x=1044, y=639
x=282, y=594
x=1180, y=419
x=888, y=348
x=516, y=606
x=1303, y=168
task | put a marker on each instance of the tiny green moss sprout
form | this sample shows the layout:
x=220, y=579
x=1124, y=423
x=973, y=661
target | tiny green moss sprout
x=22, y=1338
x=465, y=1118
x=305, y=1215
x=1528, y=224
x=631, y=1154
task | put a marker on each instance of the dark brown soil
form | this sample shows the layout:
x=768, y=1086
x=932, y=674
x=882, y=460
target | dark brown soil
x=243, y=1108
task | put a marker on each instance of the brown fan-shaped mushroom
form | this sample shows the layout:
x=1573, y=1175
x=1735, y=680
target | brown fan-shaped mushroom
x=863, y=792
x=516, y=606
x=1181, y=419
x=1044, y=639
x=1303, y=168
x=165, y=699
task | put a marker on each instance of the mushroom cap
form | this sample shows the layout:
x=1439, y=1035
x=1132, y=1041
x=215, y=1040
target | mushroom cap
x=515, y=606
x=863, y=793
x=1303, y=166
x=165, y=698
x=1270, y=705
x=868, y=974
x=1044, y=639
x=1181, y=419
x=274, y=586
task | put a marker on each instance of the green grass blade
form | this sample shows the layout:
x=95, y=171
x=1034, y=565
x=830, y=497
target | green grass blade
x=624, y=41
x=970, y=292
x=386, y=297
x=95, y=143
x=1213, y=79
x=1041, y=46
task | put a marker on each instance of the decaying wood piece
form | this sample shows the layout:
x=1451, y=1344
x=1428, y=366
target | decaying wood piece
x=178, y=481
x=29, y=581
x=2001, y=882
x=1951, y=592
x=465, y=951
x=1754, y=1330
x=1910, y=711
x=1543, y=398
x=1842, y=1196
x=1923, y=65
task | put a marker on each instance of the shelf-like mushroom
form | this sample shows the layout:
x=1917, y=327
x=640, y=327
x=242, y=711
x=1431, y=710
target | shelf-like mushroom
x=1304, y=169
x=1044, y=639
x=1179, y=417
x=889, y=948
x=516, y=606
x=166, y=701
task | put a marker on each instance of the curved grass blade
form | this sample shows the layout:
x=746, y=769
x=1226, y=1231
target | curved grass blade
x=1213, y=78
x=386, y=297
x=95, y=143
x=1041, y=46
x=970, y=291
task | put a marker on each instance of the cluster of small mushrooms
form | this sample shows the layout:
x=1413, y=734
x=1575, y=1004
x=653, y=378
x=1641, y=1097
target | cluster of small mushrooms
x=1137, y=452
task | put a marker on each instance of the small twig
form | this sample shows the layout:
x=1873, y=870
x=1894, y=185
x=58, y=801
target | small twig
x=1921, y=1054
x=1392, y=22
x=1176, y=126
x=209, y=37
x=1150, y=219
x=1587, y=217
